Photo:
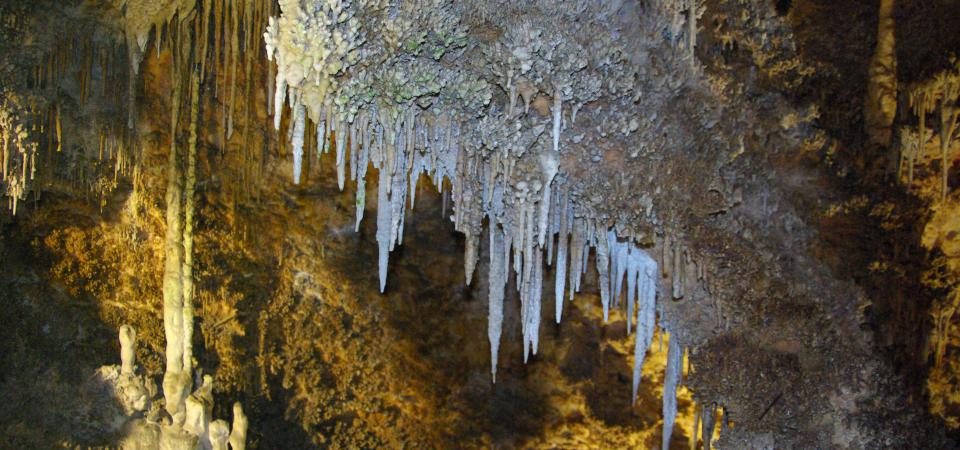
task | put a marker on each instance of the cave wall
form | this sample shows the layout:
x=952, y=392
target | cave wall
x=766, y=187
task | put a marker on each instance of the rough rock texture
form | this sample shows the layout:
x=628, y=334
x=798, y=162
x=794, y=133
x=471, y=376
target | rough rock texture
x=727, y=154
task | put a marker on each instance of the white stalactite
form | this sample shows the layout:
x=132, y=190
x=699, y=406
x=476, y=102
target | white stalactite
x=603, y=269
x=642, y=275
x=299, y=128
x=497, y=281
x=671, y=381
x=561, y=266
x=384, y=225
x=497, y=180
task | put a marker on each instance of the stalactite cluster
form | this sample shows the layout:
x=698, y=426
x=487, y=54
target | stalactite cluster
x=936, y=96
x=374, y=81
x=929, y=147
x=49, y=88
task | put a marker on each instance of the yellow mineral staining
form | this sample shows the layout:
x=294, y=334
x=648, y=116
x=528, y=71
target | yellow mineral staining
x=59, y=131
x=937, y=96
x=932, y=143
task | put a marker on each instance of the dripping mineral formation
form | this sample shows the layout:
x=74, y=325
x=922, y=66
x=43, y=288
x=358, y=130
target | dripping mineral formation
x=687, y=180
x=411, y=113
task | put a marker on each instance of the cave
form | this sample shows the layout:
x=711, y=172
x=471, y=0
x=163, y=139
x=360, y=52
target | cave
x=558, y=224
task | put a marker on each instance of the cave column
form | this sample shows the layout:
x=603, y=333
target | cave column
x=174, y=392
x=178, y=246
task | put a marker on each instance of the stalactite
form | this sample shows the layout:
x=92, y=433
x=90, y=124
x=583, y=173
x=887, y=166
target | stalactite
x=603, y=269
x=341, y=143
x=279, y=98
x=561, y=267
x=497, y=281
x=135, y=55
x=271, y=68
x=507, y=181
x=708, y=424
x=670, y=382
x=678, y=272
x=576, y=256
x=922, y=133
x=949, y=113
x=550, y=165
x=232, y=62
x=696, y=426
x=204, y=36
x=881, y=100
x=362, y=164
x=692, y=15
x=219, y=27
x=59, y=132
x=299, y=127
x=383, y=224
x=642, y=273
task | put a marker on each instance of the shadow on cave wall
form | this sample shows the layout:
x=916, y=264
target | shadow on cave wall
x=838, y=39
x=51, y=341
x=440, y=325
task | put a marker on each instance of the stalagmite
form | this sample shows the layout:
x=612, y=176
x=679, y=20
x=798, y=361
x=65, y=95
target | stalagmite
x=197, y=420
x=128, y=343
x=218, y=434
x=670, y=383
x=238, y=432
